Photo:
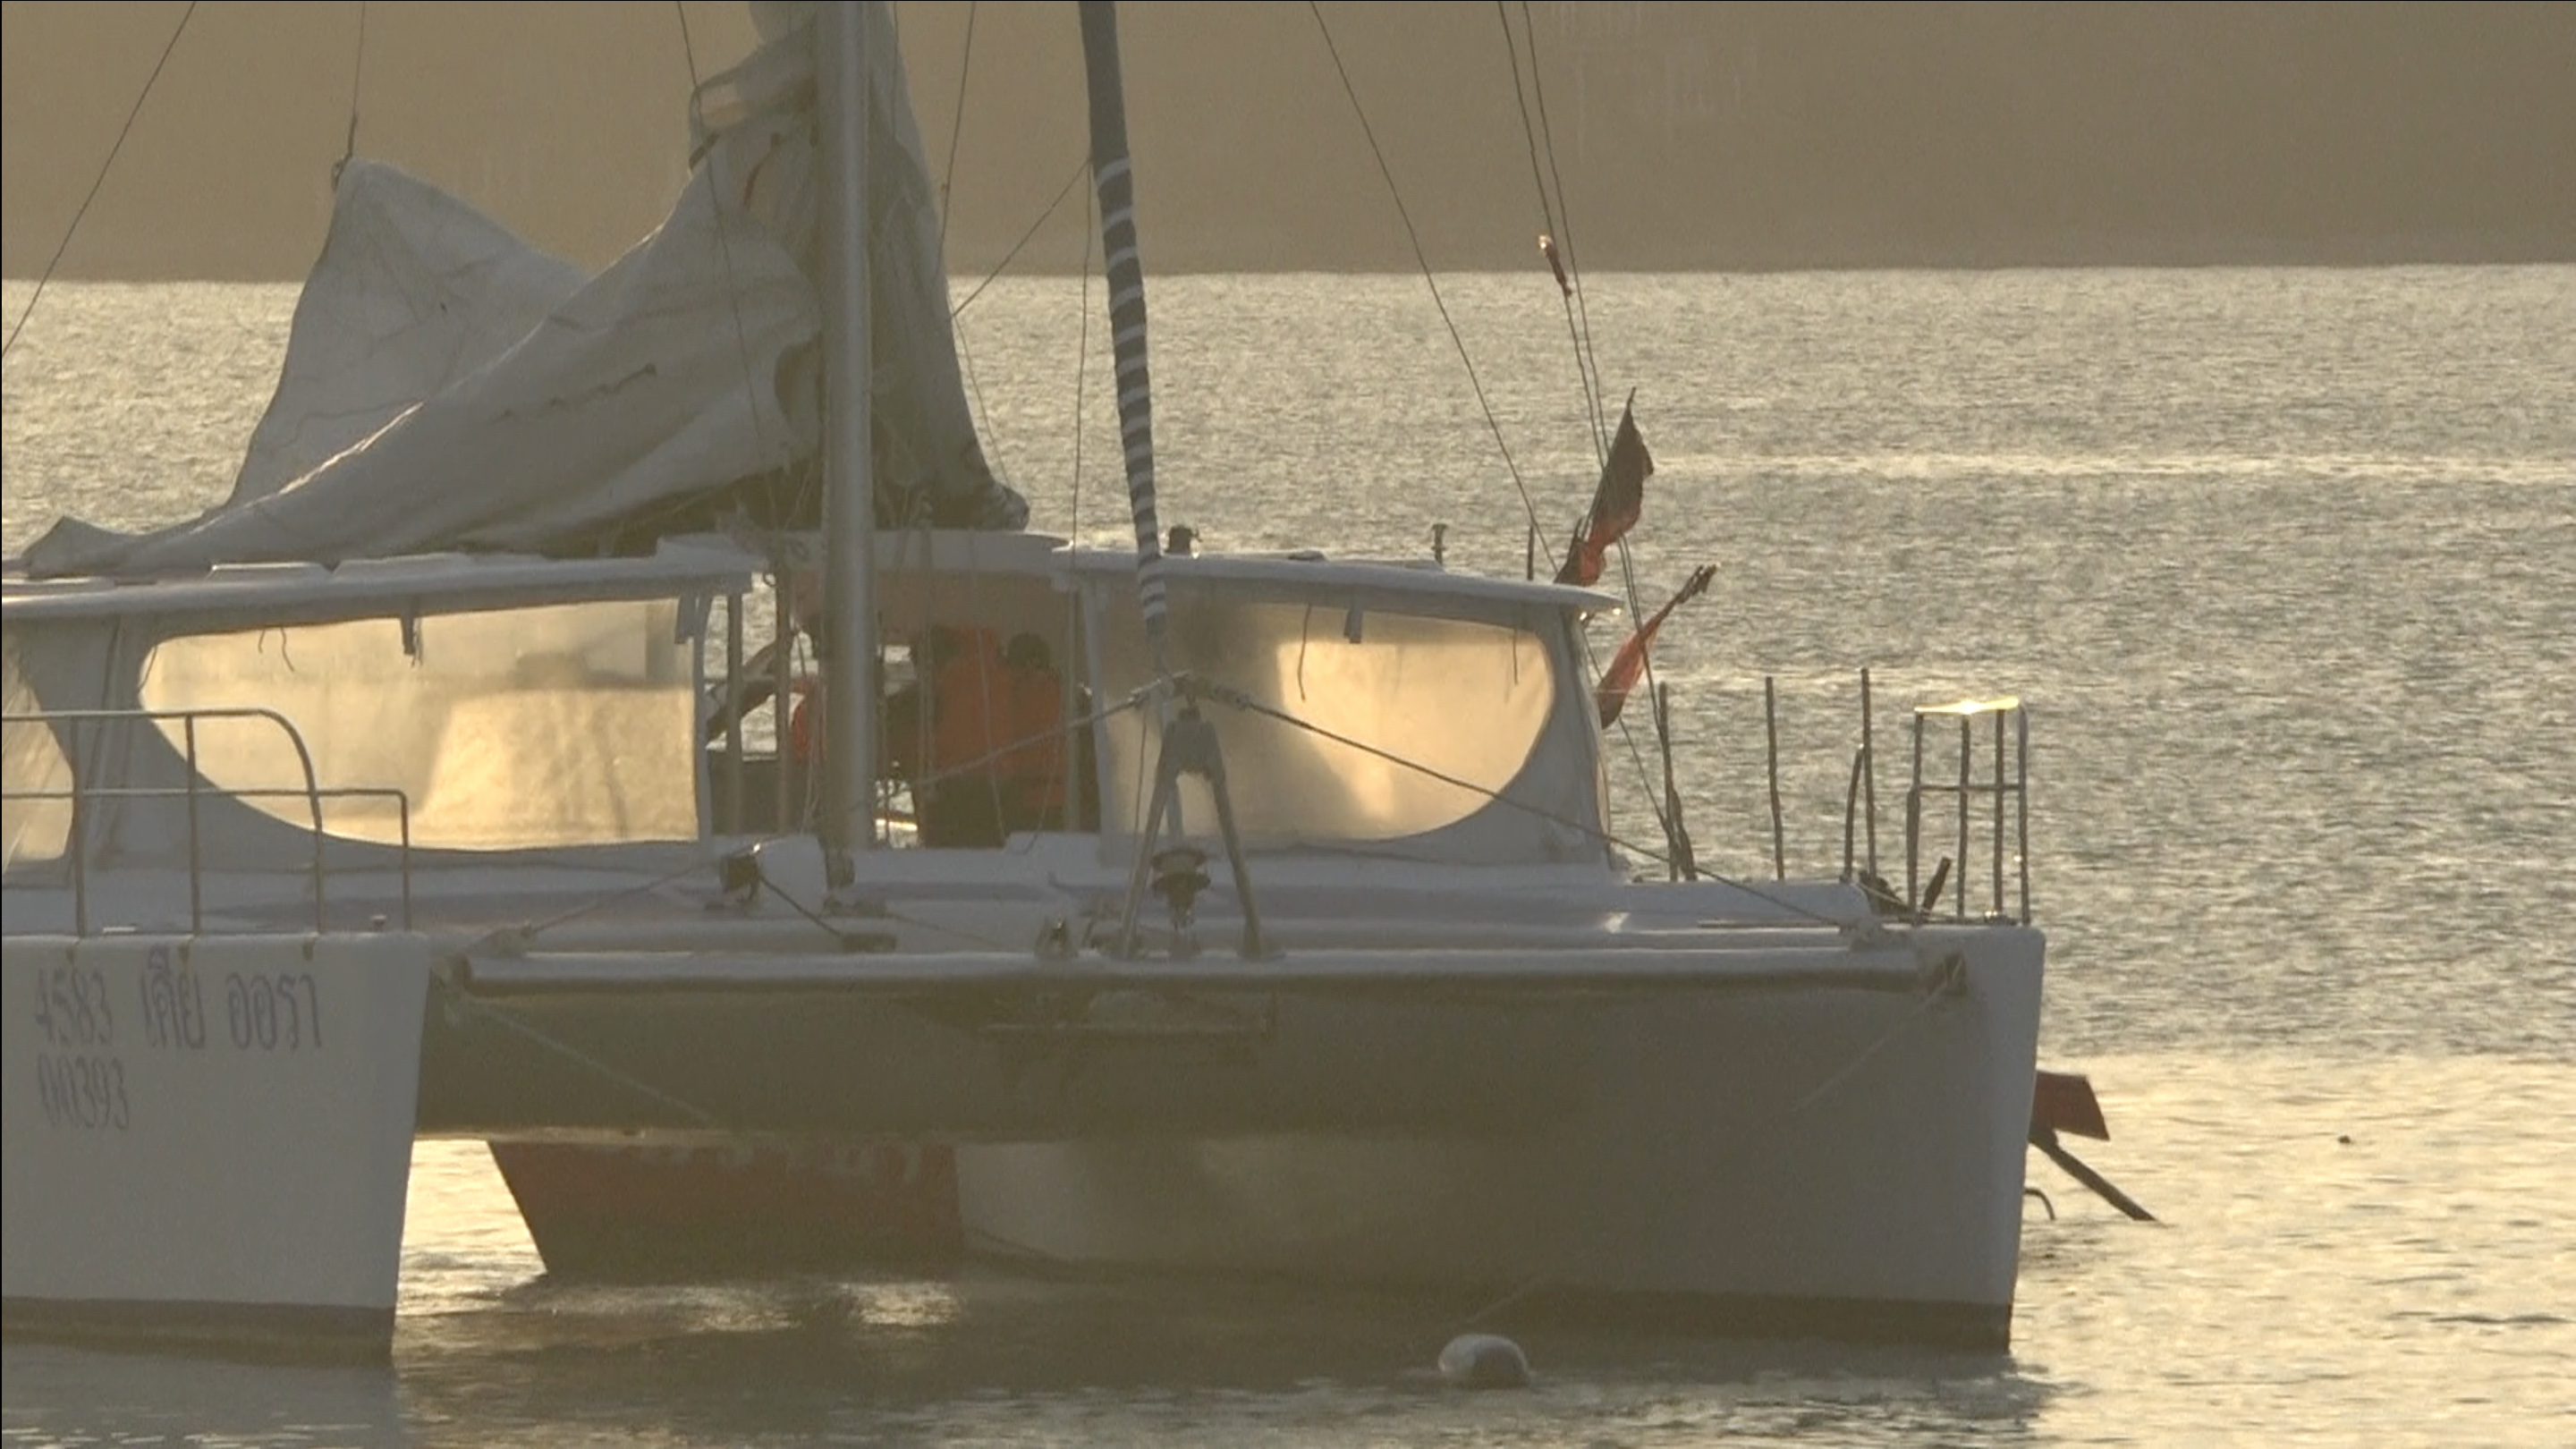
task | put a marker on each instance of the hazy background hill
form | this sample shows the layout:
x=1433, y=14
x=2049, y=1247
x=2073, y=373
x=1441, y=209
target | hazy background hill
x=1686, y=135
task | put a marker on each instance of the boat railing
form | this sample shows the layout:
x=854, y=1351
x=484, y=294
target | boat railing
x=1997, y=778
x=83, y=797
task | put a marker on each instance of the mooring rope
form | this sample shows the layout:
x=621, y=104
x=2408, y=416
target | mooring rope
x=466, y=999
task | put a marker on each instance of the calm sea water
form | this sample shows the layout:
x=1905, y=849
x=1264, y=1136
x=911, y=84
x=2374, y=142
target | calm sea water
x=2283, y=561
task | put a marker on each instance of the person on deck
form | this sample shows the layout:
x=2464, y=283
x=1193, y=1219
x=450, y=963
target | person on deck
x=1032, y=763
x=901, y=717
x=958, y=792
x=979, y=733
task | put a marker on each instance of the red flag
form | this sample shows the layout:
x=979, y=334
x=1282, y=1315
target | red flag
x=1616, y=502
x=1629, y=664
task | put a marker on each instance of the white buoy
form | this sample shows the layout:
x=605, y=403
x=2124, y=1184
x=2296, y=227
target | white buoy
x=1484, y=1361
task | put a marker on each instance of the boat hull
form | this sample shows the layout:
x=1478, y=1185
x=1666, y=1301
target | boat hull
x=1722, y=1138
x=644, y=1214
x=1782, y=1164
x=209, y=1138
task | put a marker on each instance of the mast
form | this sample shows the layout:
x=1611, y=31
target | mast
x=848, y=819
x=1112, y=177
x=1189, y=744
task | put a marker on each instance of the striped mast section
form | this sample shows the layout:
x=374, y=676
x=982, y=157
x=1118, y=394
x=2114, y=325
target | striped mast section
x=1114, y=181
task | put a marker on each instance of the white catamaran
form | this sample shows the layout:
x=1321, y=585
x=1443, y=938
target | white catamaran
x=1124, y=911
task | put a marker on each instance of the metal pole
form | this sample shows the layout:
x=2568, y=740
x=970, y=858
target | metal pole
x=730, y=821
x=1967, y=754
x=196, y=862
x=848, y=820
x=1914, y=827
x=1771, y=732
x=1113, y=182
x=791, y=792
x=1869, y=775
x=2021, y=799
x=1851, y=807
x=80, y=832
x=1998, y=906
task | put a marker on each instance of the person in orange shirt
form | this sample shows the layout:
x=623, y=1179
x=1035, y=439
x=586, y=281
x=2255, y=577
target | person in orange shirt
x=1033, y=758
x=957, y=792
x=980, y=734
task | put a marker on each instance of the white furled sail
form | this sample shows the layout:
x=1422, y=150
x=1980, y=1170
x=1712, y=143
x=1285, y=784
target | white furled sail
x=508, y=404
x=415, y=291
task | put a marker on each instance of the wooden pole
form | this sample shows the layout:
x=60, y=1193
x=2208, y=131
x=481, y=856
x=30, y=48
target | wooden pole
x=1683, y=864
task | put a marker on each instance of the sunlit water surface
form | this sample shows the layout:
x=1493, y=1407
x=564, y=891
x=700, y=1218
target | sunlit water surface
x=2284, y=563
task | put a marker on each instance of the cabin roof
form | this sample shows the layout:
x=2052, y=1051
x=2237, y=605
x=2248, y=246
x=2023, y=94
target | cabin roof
x=283, y=593
x=1307, y=568
x=288, y=593
x=1032, y=554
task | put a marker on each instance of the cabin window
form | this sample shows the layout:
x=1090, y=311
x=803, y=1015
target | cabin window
x=1403, y=724
x=565, y=724
x=35, y=823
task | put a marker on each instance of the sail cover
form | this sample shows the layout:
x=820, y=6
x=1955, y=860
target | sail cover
x=448, y=387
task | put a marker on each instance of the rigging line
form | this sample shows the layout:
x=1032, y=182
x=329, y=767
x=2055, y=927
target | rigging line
x=1254, y=706
x=1146, y=734
x=1592, y=405
x=467, y=999
x=357, y=76
x=1645, y=777
x=957, y=125
x=890, y=914
x=1078, y=669
x=1422, y=260
x=1081, y=372
x=1565, y=214
x=724, y=243
x=1579, y=321
x=1092, y=721
x=970, y=937
x=1529, y=128
x=1081, y=169
x=799, y=907
x=1636, y=754
x=533, y=929
x=100, y=180
x=984, y=411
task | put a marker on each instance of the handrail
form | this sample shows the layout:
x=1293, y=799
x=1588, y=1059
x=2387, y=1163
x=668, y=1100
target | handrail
x=2010, y=776
x=313, y=793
